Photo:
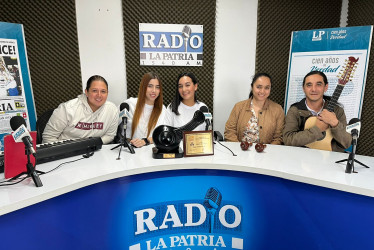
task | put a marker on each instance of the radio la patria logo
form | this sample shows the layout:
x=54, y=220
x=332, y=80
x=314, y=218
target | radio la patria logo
x=208, y=224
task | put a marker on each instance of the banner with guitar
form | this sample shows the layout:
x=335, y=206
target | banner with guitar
x=342, y=54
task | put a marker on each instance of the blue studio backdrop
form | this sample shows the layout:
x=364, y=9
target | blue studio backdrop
x=165, y=210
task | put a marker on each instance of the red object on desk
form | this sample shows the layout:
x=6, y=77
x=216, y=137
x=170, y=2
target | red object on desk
x=15, y=158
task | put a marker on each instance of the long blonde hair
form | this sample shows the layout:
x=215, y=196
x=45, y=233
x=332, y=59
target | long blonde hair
x=157, y=108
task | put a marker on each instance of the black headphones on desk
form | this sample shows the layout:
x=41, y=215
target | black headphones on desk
x=88, y=154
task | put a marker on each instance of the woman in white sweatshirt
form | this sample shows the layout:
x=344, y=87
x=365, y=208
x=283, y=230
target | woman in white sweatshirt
x=88, y=115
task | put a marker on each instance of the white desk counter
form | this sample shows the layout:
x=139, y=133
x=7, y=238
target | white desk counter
x=284, y=197
x=298, y=164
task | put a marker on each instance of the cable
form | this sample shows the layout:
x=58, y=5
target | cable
x=227, y=148
x=20, y=180
x=63, y=164
x=13, y=183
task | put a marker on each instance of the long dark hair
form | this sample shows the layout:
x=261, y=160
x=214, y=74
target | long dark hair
x=177, y=97
x=254, y=79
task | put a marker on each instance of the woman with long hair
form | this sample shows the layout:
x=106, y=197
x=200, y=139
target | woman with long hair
x=185, y=103
x=146, y=111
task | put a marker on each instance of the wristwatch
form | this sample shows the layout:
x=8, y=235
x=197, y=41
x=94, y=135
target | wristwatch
x=146, y=141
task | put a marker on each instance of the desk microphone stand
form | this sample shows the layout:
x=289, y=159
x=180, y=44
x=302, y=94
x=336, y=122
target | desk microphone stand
x=123, y=143
x=31, y=172
x=351, y=160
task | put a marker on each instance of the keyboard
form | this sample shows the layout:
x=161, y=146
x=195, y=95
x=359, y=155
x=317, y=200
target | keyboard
x=62, y=149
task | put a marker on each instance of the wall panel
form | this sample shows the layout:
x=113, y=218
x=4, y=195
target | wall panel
x=276, y=21
x=170, y=12
x=360, y=13
x=52, y=48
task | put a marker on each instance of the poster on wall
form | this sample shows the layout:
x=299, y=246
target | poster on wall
x=341, y=53
x=15, y=84
x=170, y=44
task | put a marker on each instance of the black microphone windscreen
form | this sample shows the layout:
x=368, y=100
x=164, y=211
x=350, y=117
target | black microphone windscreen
x=213, y=198
x=204, y=109
x=123, y=106
x=16, y=122
x=353, y=120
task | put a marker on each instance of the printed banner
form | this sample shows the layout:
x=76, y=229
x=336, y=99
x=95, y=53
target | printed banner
x=170, y=44
x=341, y=53
x=15, y=85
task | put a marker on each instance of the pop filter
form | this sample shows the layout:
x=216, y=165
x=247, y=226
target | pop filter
x=167, y=138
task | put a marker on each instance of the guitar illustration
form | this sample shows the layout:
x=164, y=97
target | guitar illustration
x=345, y=76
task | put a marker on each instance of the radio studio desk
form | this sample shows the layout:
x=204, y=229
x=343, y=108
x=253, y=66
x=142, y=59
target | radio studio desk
x=285, y=197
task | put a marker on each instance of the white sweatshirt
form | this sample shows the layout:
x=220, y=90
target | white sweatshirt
x=75, y=119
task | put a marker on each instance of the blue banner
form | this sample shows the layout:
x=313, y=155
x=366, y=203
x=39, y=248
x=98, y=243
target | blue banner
x=333, y=51
x=345, y=38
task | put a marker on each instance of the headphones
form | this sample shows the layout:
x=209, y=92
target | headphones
x=88, y=154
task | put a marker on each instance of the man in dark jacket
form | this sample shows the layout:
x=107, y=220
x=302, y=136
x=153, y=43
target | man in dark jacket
x=314, y=123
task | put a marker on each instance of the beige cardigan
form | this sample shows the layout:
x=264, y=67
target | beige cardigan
x=270, y=122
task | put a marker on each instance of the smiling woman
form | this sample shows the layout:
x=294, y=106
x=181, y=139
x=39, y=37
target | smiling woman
x=257, y=119
x=88, y=115
x=97, y=93
x=147, y=111
x=185, y=103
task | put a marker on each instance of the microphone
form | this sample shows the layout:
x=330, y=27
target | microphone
x=124, y=114
x=18, y=125
x=212, y=201
x=353, y=128
x=186, y=32
x=208, y=117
